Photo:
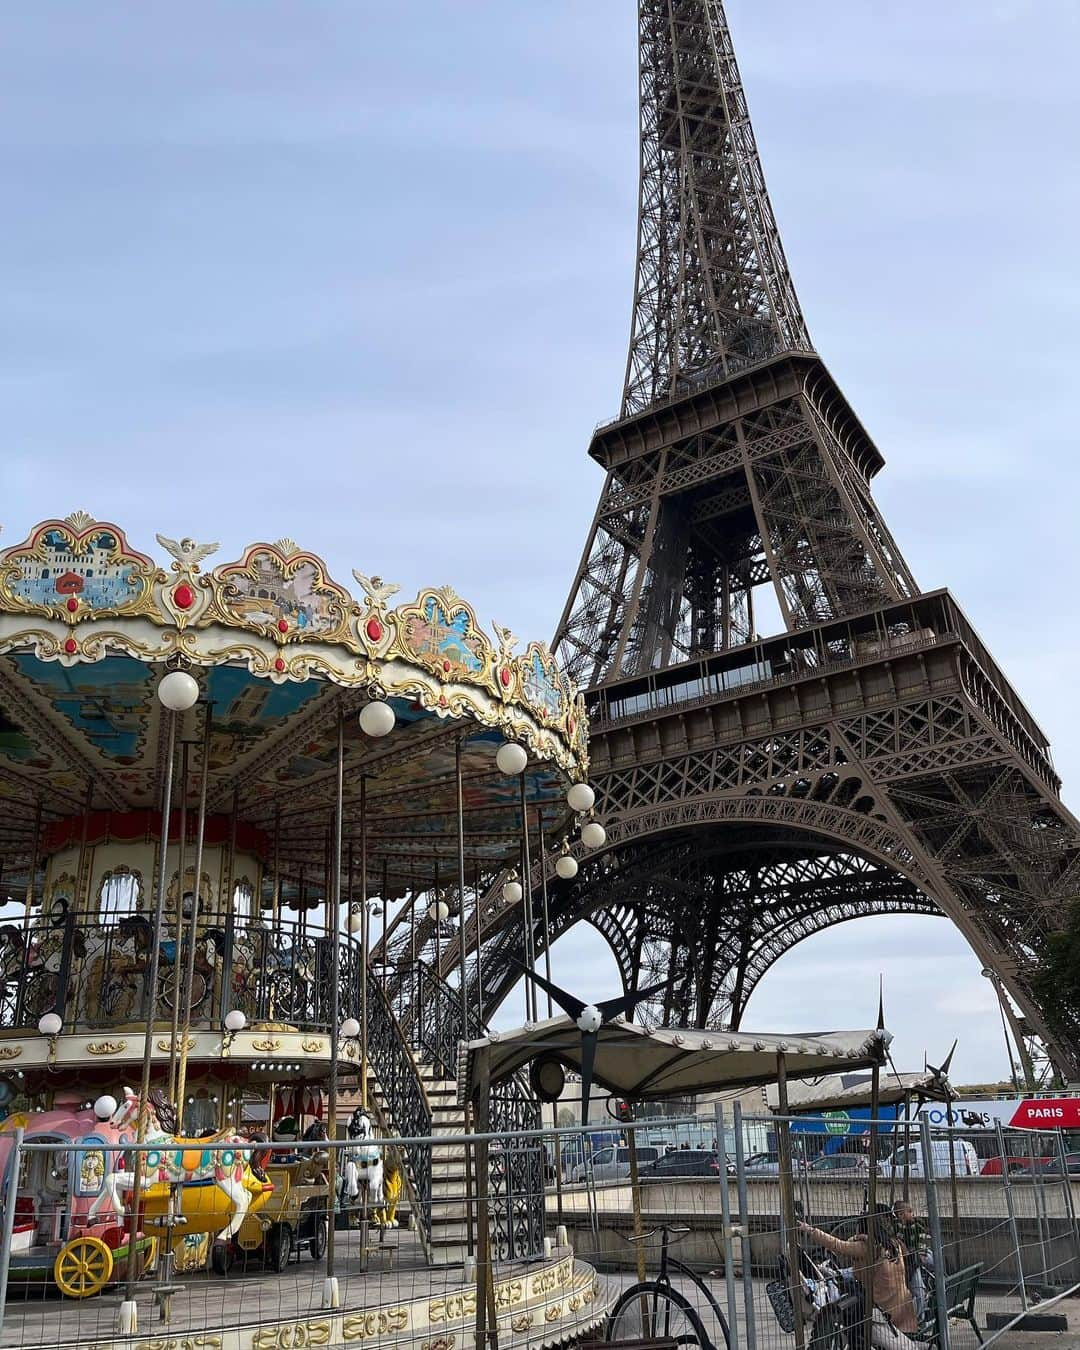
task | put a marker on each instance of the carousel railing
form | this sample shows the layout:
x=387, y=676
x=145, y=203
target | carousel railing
x=94, y=972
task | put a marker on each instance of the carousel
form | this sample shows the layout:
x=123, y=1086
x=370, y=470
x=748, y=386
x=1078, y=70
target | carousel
x=214, y=782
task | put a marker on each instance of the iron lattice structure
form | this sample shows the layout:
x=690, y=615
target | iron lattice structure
x=870, y=759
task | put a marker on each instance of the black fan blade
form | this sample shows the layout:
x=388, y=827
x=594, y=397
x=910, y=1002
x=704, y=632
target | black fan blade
x=573, y=1007
x=612, y=1007
x=588, y=1059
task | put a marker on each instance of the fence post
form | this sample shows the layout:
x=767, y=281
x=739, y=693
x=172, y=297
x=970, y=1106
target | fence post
x=744, y=1223
x=1010, y=1205
x=941, y=1303
x=1040, y=1209
x=1070, y=1210
x=725, y=1218
x=11, y=1187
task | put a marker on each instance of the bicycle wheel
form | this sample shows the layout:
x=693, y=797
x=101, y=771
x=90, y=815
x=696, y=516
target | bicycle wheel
x=653, y=1309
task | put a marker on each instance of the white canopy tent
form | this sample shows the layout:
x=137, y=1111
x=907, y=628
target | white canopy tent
x=838, y=1091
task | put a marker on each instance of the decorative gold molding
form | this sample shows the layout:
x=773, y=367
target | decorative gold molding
x=105, y=1047
x=166, y=1045
x=182, y=1343
x=378, y=1322
x=10, y=1051
x=267, y=1046
x=291, y=1336
x=313, y=1047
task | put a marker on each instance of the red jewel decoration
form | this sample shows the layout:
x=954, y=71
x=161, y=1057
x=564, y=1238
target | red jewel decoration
x=570, y=726
x=374, y=629
x=504, y=678
x=72, y=604
x=446, y=667
x=279, y=665
x=282, y=625
x=183, y=596
x=71, y=646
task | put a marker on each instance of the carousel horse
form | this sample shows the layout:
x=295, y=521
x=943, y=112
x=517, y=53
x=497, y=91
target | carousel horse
x=363, y=1164
x=222, y=1159
x=385, y=1216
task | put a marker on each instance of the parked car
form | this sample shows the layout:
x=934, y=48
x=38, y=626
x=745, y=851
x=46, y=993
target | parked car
x=1051, y=1167
x=966, y=1160
x=762, y=1165
x=684, y=1162
x=613, y=1164
x=840, y=1165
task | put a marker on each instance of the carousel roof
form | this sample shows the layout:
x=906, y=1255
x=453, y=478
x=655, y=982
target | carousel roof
x=88, y=625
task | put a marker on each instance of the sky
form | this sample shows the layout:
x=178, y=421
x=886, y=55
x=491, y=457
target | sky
x=360, y=274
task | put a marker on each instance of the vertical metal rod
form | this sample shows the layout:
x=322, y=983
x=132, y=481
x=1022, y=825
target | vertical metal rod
x=744, y=1224
x=544, y=903
x=275, y=913
x=526, y=888
x=436, y=999
x=81, y=900
x=1040, y=1209
x=871, y=1196
x=35, y=857
x=189, y=973
x=725, y=1218
x=11, y=1185
x=470, y=1235
x=789, y=1235
x=335, y=982
x=941, y=1301
x=477, y=918
x=1070, y=1208
x=151, y=978
x=1010, y=1205
x=178, y=925
x=461, y=887
x=363, y=944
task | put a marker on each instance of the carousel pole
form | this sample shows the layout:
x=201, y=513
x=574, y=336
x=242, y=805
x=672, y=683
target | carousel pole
x=31, y=876
x=544, y=908
x=479, y=961
x=330, y=1295
x=176, y=698
x=469, y=1233
x=275, y=912
x=363, y=943
x=189, y=971
x=526, y=907
x=178, y=921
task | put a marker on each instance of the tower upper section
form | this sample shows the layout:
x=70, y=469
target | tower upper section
x=712, y=293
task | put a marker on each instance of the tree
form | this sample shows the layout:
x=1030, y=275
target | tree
x=1057, y=985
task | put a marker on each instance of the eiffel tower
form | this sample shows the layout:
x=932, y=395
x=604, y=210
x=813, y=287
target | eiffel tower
x=871, y=758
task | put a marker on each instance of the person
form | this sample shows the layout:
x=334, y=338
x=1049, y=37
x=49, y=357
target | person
x=877, y=1256
x=918, y=1256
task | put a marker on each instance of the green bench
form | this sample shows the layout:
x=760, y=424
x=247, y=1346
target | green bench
x=960, y=1290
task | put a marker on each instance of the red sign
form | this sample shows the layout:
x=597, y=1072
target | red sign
x=1047, y=1113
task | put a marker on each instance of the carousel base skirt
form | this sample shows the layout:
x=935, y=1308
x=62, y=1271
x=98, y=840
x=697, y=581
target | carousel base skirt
x=388, y=1296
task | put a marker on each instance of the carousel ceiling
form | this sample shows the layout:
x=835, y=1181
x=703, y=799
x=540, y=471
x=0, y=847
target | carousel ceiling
x=281, y=652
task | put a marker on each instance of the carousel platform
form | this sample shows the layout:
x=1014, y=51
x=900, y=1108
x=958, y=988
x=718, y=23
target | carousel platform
x=396, y=1301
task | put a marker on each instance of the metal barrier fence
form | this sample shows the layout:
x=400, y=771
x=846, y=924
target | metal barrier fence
x=686, y=1228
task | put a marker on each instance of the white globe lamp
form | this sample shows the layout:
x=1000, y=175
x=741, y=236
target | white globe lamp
x=511, y=758
x=349, y=1028
x=589, y=1019
x=566, y=864
x=581, y=798
x=377, y=718
x=104, y=1107
x=50, y=1024
x=512, y=891
x=356, y=923
x=593, y=834
x=438, y=911
x=235, y=1020
x=178, y=691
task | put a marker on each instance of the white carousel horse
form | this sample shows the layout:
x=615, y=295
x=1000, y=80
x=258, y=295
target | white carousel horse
x=363, y=1164
x=221, y=1159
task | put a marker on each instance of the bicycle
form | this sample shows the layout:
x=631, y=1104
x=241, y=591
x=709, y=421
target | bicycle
x=656, y=1308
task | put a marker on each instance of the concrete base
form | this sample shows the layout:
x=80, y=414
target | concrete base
x=1031, y=1321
